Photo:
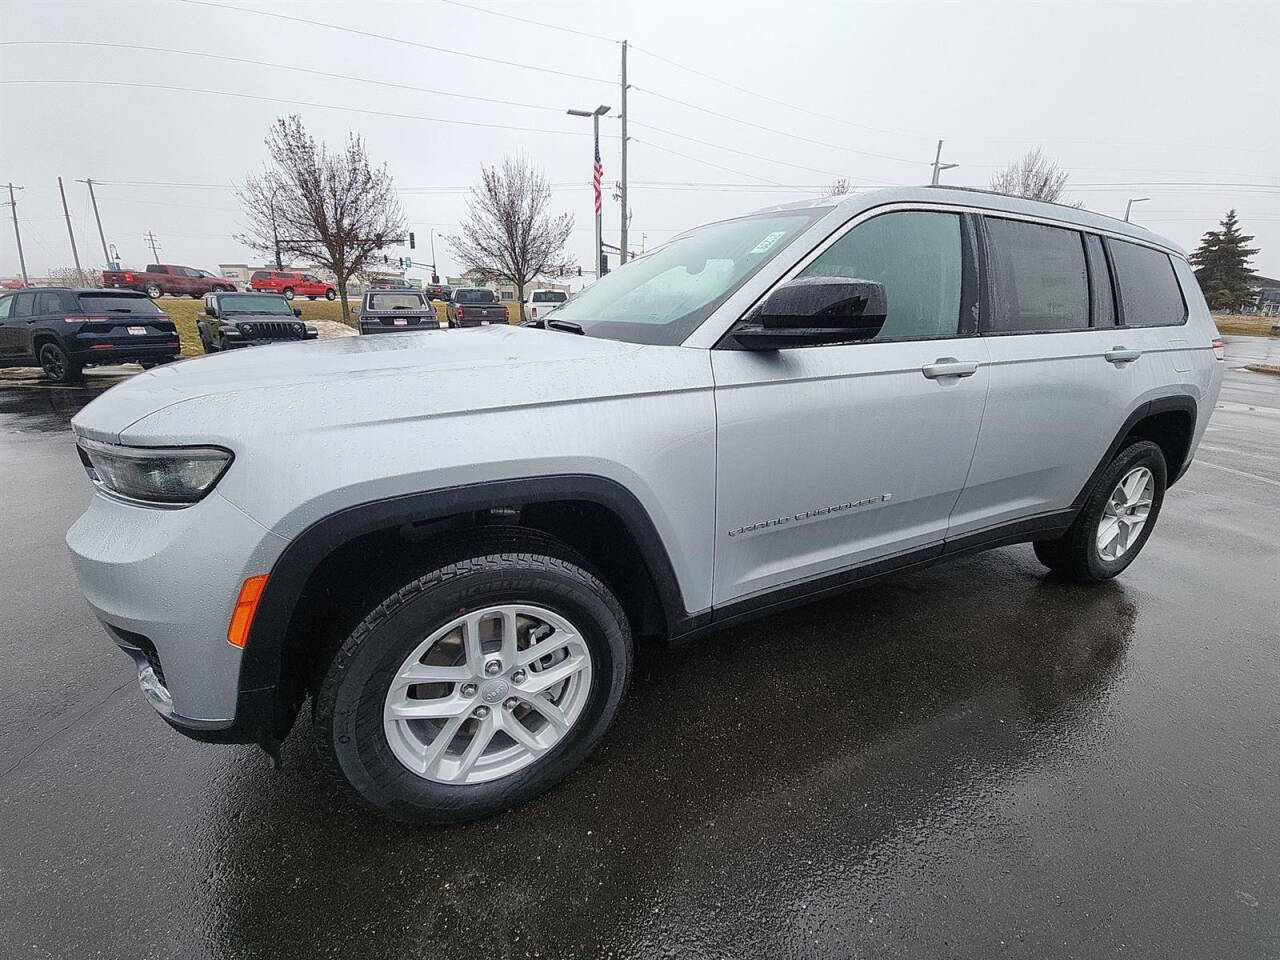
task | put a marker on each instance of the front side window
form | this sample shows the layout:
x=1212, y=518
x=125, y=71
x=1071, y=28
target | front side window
x=916, y=256
x=1149, y=291
x=1040, y=279
x=664, y=296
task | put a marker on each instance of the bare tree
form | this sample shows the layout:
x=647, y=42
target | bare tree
x=1035, y=177
x=509, y=234
x=74, y=277
x=332, y=210
x=839, y=187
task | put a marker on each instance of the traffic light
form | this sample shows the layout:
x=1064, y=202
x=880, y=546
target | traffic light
x=604, y=264
x=412, y=245
x=579, y=271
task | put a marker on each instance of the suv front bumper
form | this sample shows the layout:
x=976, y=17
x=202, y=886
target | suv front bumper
x=164, y=583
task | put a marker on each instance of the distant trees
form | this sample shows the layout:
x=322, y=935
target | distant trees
x=1034, y=177
x=509, y=233
x=1222, y=265
x=71, y=277
x=332, y=210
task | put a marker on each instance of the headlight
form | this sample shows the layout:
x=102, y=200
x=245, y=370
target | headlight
x=161, y=475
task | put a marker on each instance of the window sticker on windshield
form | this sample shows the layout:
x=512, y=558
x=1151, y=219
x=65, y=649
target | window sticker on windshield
x=768, y=241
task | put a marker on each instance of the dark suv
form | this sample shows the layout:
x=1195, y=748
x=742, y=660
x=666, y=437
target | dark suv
x=62, y=330
x=386, y=311
x=250, y=319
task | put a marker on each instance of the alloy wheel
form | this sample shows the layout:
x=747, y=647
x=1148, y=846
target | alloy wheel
x=487, y=694
x=1125, y=513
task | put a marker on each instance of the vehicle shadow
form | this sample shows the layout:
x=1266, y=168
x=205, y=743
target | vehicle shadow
x=776, y=757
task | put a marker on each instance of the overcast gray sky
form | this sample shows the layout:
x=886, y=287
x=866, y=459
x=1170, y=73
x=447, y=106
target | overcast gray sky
x=1173, y=101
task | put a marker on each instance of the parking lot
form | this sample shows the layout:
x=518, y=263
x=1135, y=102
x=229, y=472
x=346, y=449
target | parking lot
x=975, y=760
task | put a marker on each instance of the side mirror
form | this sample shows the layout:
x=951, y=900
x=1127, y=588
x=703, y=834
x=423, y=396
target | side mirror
x=210, y=310
x=297, y=311
x=810, y=311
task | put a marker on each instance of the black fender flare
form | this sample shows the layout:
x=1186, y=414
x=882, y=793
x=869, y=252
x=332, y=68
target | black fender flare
x=260, y=664
x=1181, y=402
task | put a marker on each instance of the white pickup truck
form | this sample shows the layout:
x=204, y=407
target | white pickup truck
x=542, y=302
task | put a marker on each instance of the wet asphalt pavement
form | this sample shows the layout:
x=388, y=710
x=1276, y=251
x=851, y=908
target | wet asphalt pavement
x=977, y=760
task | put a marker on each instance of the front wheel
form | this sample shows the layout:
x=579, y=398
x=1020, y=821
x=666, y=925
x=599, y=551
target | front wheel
x=474, y=688
x=1116, y=520
x=331, y=295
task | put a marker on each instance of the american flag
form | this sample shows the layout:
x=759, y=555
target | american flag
x=598, y=172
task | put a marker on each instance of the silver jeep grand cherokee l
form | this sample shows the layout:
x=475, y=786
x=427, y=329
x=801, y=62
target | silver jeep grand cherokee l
x=450, y=542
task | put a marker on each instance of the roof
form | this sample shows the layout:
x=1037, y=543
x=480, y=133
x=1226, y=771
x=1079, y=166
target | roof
x=850, y=205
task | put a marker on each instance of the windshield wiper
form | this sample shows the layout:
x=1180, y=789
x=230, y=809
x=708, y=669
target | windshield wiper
x=567, y=325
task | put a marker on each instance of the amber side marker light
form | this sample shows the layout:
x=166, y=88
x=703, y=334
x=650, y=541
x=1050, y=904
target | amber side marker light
x=246, y=605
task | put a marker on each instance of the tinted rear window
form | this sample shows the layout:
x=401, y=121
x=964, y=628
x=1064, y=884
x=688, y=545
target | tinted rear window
x=397, y=301
x=474, y=296
x=550, y=296
x=1149, y=291
x=1041, y=283
x=114, y=303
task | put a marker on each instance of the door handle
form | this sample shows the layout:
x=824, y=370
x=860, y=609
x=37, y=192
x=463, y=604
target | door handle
x=1118, y=355
x=949, y=367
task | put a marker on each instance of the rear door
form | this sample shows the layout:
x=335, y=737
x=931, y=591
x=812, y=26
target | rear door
x=833, y=457
x=1060, y=386
x=15, y=329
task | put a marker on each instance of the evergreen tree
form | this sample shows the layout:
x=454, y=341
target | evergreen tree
x=1222, y=266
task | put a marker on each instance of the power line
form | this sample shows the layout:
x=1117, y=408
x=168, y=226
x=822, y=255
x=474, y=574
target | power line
x=767, y=129
x=392, y=39
x=307, y=103
x=676, y=153
x=535, y=23
x=282, y=66
x=741, y=153
x=775, y=100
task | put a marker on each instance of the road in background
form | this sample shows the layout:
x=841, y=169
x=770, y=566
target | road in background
x=973, y=760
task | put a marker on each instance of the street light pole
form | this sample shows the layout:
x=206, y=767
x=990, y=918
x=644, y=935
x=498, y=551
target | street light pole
x=66, y=212
x=1129, y=206
x=595, y=116
x=939, y=166
x=622, y=247
x=101, y=236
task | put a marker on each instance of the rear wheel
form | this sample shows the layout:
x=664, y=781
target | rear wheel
x=288, y=293
x=57, y=366
x=474, y=688
x=1116, y=520
x=331, y=295
x=154, y=291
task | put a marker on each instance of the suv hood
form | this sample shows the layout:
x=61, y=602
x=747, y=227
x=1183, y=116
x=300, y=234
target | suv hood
x=310, y=385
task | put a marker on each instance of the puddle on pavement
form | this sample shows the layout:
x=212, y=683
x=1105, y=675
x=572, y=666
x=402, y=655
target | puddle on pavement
x=31, y=404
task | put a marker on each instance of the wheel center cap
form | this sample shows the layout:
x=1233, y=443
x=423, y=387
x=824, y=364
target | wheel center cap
x=494, y=690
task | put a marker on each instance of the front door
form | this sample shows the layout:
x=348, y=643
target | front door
x=15, y=327
x=831, y=457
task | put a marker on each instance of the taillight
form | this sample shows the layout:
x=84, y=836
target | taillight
x=86, y=318
x=1219, y=348
x=128, y=278
x=459, y=313
x=535, y=311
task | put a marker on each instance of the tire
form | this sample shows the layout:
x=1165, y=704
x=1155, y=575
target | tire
x=288, y=293
x=154, y=291
x=331, y=295
x=57, y=366
x=196, y=296
x=358, y=745
x=206, y=340
x=310, y=298
x=1078, y=554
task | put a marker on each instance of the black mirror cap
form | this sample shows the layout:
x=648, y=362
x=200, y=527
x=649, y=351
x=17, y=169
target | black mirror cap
x=210, y=310
x=297, y=311
x=809, y=311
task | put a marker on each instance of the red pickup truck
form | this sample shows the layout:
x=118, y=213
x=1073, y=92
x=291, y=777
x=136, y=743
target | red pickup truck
x=160, y=279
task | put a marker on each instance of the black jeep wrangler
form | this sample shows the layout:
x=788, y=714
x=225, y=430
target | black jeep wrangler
x=250, y=319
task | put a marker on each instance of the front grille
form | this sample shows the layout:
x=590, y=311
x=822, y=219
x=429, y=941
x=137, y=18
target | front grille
x=273, y=330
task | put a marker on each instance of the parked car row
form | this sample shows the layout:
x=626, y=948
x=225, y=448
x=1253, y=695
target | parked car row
x=166, y=279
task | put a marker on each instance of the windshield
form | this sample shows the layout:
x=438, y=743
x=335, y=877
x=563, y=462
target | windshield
x=663, y=296
x=473, y=296
x=396, y=301
x=248, y=303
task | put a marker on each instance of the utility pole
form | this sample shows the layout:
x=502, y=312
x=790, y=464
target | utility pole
x=75, y=255
x=622, y=247
x=151, y=239
x=939, y=166
x=101, y=236
x=13, y=205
